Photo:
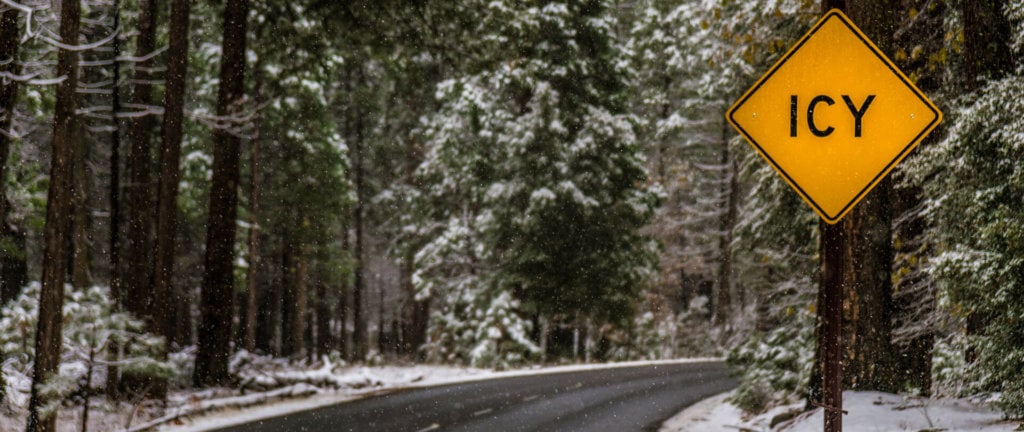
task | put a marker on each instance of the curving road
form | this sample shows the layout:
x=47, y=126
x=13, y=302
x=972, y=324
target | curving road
x=614, y=400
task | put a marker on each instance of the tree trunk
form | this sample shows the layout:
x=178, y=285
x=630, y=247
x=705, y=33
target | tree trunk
x=297, y=333
x=251, y=309
x=416, y=314
x=13, y=268
x=80, y=278
x=276, y=312
x=869, y=352
x=170, y=171
x=58, y=214
x=914, y=291
x=113, y=383
x=216, y=306
x=359, y=336
x=324, y=338
x=137, y=278
x=288, y=298
x=723, y=307
x=346, y=288
x=254, y=237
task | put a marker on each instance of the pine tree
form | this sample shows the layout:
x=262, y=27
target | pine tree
x=535, y=151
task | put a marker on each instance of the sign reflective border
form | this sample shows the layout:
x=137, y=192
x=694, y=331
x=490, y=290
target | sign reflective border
x=833, y=116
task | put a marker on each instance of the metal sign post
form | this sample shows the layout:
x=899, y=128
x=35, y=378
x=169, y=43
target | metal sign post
x=832, y=245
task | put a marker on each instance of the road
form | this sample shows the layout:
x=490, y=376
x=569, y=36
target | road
x=613, y=400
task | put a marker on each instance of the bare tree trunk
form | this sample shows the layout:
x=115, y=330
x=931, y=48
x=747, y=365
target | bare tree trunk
x=324, y=338
x=723, y=308
x=8, y=52
x=914, y=290
x=214, y=345
x=58, y=218
x=276, y=325
x=869, y=363
x=360, y=344
x=170, y=171
x=139, y=248
x=251, y=311
x=298, y=315
x=346, y=288
x=113, y=383
x=80, y=213
x=13, y=274
x=254, y=244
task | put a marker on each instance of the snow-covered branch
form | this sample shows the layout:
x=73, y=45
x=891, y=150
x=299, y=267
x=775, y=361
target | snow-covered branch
x=85, y=47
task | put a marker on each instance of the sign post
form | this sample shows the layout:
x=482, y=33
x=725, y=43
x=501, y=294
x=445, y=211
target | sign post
x=833, y=117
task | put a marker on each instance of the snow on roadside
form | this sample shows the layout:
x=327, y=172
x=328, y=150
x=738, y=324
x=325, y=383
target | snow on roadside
x=868, y=412
x=713, y=414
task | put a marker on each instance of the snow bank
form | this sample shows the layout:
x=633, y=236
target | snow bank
x=868, y=412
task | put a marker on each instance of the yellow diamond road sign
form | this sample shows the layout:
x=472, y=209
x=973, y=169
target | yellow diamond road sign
x=834, y=116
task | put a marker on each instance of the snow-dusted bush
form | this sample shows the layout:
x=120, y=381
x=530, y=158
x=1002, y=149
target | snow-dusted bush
x=89, y=329
x=775, y=366
x=950, y=374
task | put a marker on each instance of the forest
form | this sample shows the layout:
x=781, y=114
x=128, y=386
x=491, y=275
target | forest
x=188, y=185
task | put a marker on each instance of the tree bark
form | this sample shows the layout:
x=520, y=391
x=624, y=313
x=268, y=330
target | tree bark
x=914, y=291
x=723, y=307
x=80, y=277
x=58, y=214
x=13, y=268
x=139, y=248
x=254, y=245
x=869, y=359
x=346, y=288
x=324, y=338
x=249, y=339
x=113, y=372
x=298, y=316
x=360, y=344
x=170, y=171
x=216, y=306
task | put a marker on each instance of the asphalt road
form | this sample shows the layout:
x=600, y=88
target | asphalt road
x=613, y=400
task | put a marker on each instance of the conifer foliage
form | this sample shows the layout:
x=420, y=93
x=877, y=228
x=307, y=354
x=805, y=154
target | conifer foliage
x=537, y=144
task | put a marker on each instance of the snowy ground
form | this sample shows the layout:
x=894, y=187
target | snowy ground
x=868, y=412
x=272, y=387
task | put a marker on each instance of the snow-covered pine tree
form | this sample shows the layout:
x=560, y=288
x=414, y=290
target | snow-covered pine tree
x=534, y=148
x=561, y=218
x=91, y=326
x=452, y=268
